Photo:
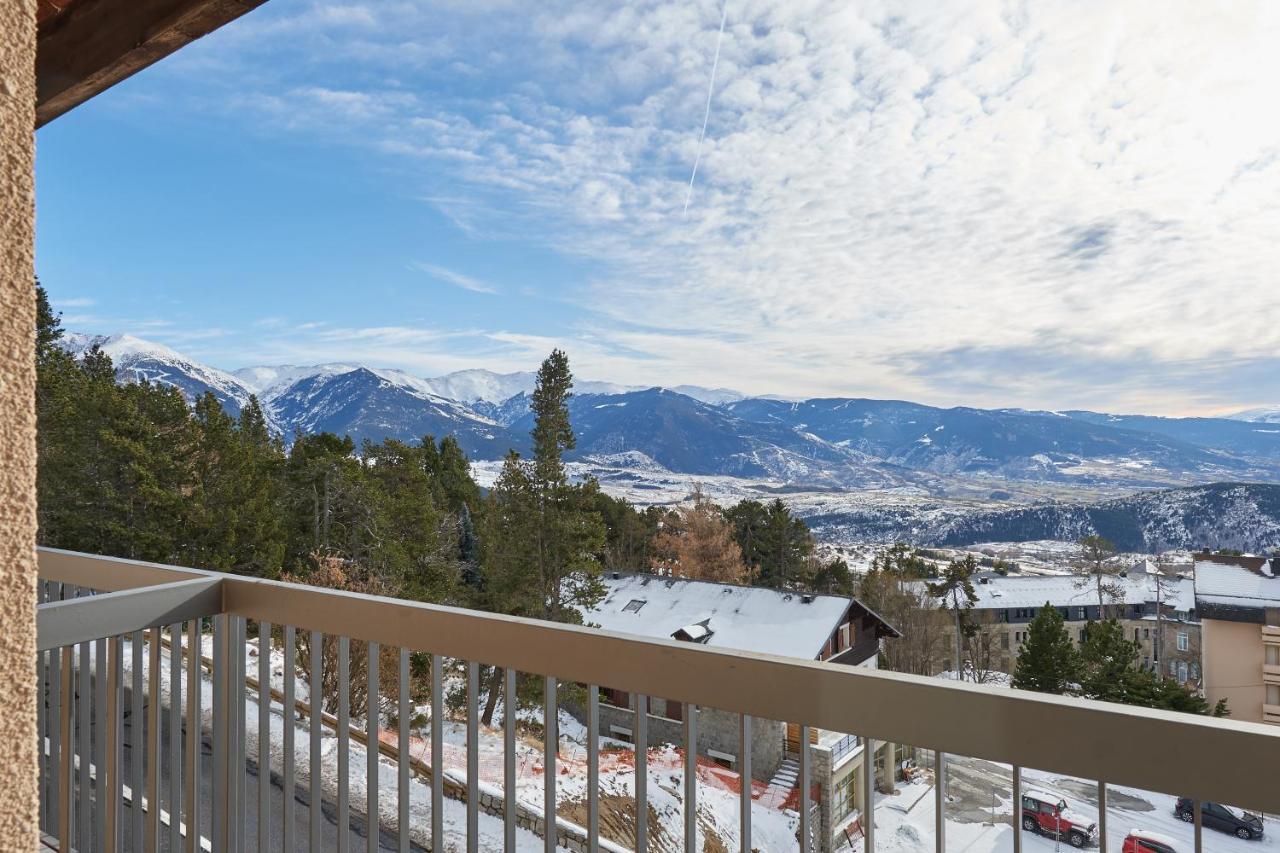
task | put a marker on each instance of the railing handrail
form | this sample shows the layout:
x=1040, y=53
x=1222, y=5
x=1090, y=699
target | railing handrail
x=1201, y=757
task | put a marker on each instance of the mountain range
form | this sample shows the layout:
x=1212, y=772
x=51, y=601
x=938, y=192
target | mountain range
x=1217, y=515
x=831, y=443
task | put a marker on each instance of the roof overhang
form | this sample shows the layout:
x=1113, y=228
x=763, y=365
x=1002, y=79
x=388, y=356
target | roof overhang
x=87, y=46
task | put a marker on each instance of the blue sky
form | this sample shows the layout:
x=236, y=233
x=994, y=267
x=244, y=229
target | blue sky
x=1061, y=205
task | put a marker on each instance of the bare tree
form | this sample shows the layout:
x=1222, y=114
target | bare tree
x=983, y=647
x=1097, y=568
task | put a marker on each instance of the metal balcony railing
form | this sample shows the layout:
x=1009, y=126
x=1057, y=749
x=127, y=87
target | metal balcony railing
x=167, y=769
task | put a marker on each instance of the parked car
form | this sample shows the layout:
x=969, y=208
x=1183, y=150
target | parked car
x=1229, y=819
x=1049, y=815
x=1146, y=841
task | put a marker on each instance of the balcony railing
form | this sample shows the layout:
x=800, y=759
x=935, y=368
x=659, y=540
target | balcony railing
x=107, y=765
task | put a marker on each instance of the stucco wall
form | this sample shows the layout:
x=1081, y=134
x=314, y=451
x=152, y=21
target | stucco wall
x=1233, y=657
x=18, y=795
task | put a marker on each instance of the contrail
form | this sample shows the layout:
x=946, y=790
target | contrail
x=724, y=13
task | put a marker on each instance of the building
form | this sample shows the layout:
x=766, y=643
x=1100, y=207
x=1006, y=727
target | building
x=1238, y=599
x=829, y=628
x=1156, y=607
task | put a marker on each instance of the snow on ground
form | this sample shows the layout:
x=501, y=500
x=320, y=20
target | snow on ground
x=773, y=829
x=905, y=821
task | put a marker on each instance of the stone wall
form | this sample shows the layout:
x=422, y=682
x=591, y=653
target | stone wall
x=19, y=798
x=717, y=730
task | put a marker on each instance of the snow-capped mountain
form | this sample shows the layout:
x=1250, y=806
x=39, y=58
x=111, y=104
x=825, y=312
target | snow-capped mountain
x=136, y=360
x=375, y=405
x=832, y=443
x=1263, y=415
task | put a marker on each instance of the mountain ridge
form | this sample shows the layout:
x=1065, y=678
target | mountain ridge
x=849, y=443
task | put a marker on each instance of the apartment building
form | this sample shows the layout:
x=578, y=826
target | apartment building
x=1238, y=599
x=1156, y=607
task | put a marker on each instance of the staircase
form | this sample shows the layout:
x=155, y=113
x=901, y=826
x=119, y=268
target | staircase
x=784, y=781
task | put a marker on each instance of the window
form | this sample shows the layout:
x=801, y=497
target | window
x=1195, y=672
x=1004, y=641
x=1273, y=655
x=1182, y=672
x=634, y=605
x=1146, y=633
x=846, y=799
x=1173, y=668
x=1079, y=613
x=1184, y=641
x=1273, y=694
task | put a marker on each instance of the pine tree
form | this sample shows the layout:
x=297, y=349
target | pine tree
x=1107, y=664
x=954, y=588
x=568, y=534
x=1047, y=663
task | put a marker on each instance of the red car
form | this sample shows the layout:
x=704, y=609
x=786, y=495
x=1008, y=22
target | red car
x=1048, y=814
x=1146, y=841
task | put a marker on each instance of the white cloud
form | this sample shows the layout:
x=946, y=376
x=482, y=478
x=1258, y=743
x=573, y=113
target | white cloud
x=457, y=279
x=944, y=202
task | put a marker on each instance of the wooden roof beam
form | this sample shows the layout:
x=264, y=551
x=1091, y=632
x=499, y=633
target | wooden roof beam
x=95, y=44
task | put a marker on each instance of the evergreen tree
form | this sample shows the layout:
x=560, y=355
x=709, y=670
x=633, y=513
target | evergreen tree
x=785, y=545
x=1107, y=663
x=568, y=534
x=1047, y=663
x=954, y=588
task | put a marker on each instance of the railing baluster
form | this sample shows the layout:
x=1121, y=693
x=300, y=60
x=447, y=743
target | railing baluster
x=806, y=831
x=137, y=753
x=239, y=716
x=551, y=744
x=221, y=748
x=1017, y=809
x=55, y=740
x=289, y=713
x=42, y=721
x=344, y=745
x=84, y=751
x=65, y=781
x=509, y=761
x=1197, y=819
x=315, y=688
x=940, y=805
x=111, y=805
x=869, y=794
x=402, y=764
x=153, y=739
x=473, y=757
x=1102, y=817
x=371, y=753
x=593, y=769
x=641, y=737
x=195, y=732
x=264, y=737
x=690, y=778
x=175, y=737
x=744, y=776
x=100, y=743
x=437, y=752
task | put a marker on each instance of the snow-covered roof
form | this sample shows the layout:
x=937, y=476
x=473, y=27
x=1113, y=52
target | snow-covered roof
x=1152, y=835
x=751, y=619
x=1138, y=587
x=1239, y=582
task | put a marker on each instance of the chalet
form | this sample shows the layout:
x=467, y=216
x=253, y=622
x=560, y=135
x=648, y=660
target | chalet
x=831, y=628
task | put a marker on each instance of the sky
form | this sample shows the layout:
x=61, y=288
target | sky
x=1047, y=205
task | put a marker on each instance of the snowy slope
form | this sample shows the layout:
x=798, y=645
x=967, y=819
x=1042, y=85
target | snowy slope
x=1263, y=415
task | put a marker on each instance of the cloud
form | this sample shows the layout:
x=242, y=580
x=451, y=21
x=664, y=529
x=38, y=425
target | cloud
x=1049, y=206
x=457, y=279
x=75, y=302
